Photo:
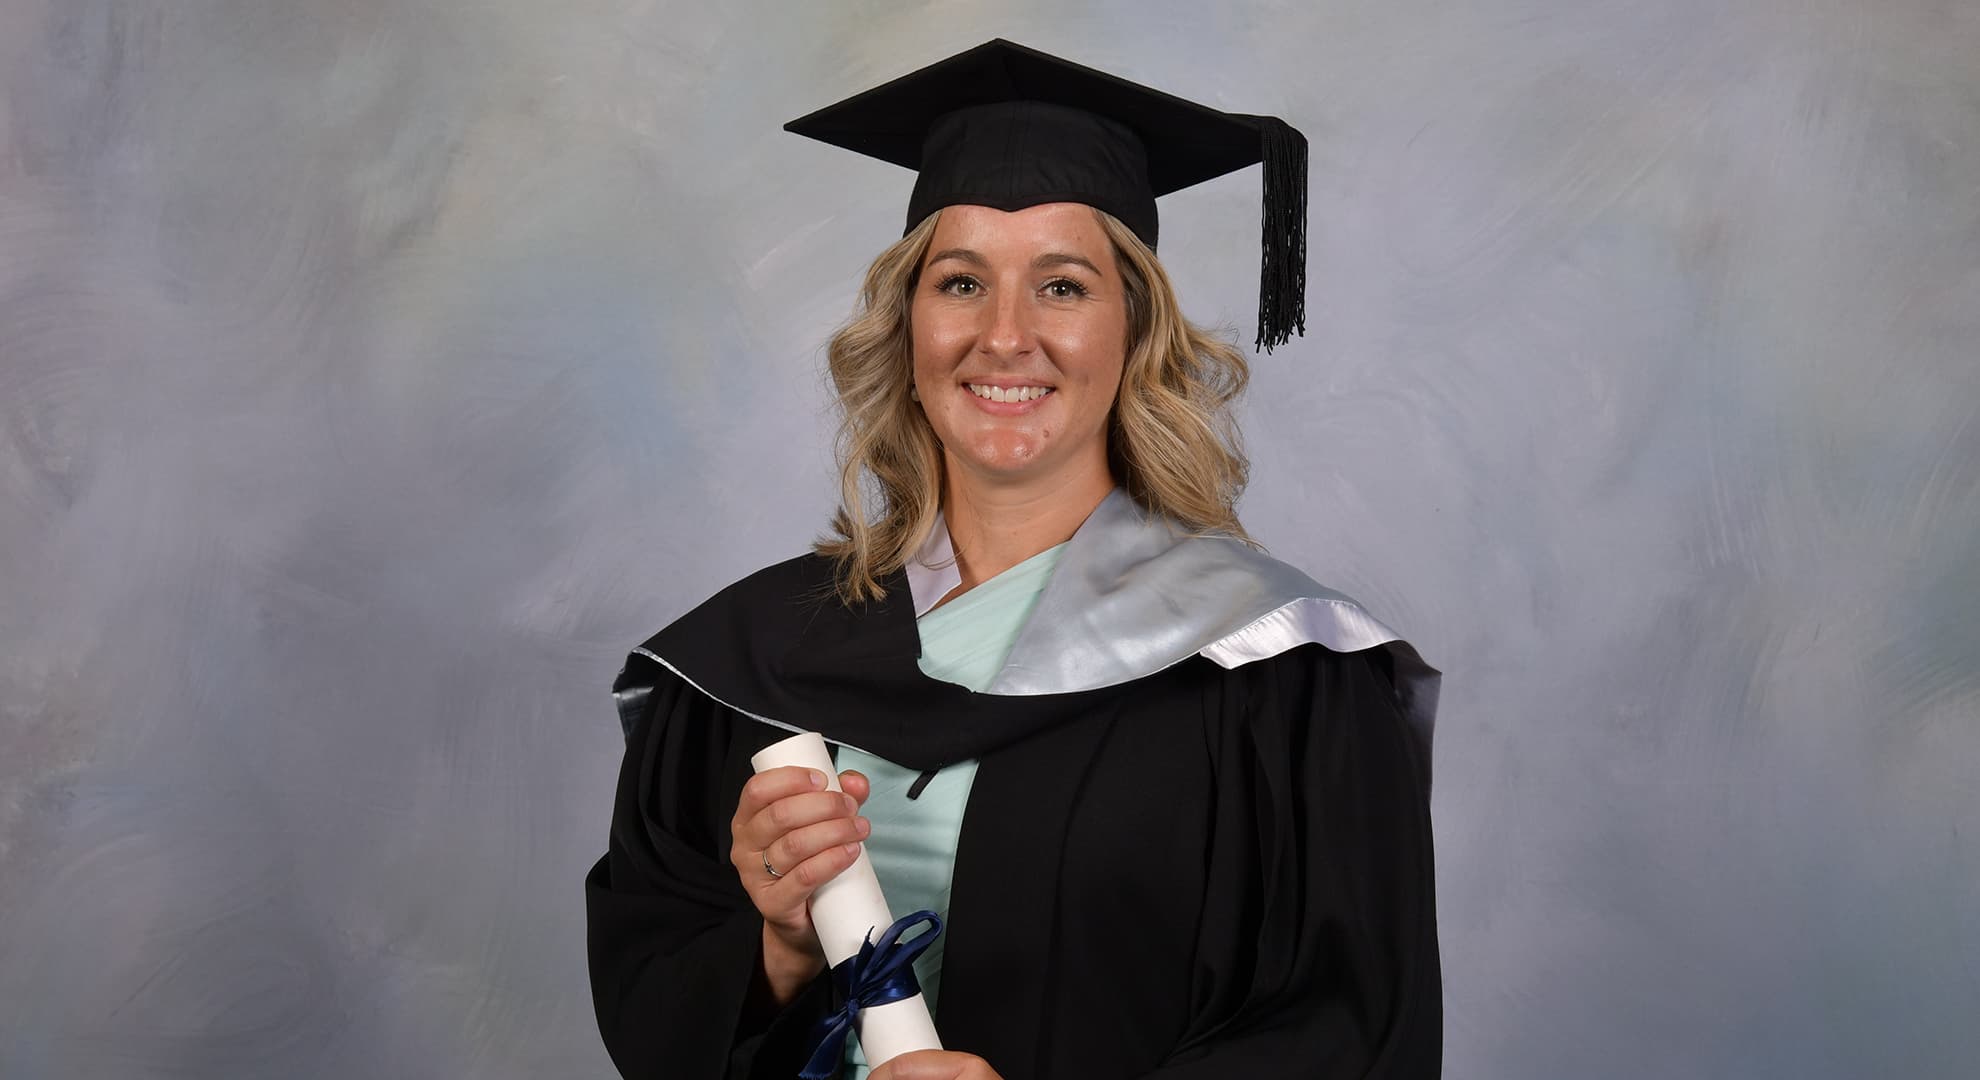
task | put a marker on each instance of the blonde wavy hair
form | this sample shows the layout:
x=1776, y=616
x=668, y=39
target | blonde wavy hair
x=1171, y=439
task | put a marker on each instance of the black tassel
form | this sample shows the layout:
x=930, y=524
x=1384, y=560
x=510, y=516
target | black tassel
x=914, y=790
x=1282, y=266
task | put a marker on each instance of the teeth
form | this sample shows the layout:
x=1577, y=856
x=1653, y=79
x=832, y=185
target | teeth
x=1015, y=393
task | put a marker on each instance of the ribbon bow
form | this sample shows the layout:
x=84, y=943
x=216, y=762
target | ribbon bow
x=882, y=972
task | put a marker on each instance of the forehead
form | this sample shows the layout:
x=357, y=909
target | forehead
x=1065, y=227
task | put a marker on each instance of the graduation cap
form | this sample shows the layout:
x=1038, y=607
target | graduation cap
x=1009, y=127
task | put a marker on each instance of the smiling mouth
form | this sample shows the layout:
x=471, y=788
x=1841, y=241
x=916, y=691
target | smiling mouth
x=1008, y=393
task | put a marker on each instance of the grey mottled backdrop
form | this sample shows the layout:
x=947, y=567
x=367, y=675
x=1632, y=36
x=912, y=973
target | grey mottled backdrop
x=373, y=374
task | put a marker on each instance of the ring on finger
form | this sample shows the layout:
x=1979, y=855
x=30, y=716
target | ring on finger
x=771, y=870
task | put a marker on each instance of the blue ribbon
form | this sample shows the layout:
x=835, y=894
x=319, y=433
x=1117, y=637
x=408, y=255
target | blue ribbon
x=881, y=972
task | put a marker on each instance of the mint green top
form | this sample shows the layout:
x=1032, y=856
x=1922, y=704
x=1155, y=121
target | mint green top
x=913, y=843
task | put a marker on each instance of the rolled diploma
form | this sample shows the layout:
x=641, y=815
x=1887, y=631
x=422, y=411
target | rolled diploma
x=845, y=910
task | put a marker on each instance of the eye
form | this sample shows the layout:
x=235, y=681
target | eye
x=1064, y=289
x=956, y=284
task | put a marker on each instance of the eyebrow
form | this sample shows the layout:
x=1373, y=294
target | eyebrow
x=1050, y=258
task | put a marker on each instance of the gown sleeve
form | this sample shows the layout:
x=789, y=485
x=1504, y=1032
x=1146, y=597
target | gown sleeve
x=672, y=938
x=1317, y=952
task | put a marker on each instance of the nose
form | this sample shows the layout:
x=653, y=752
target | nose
x=1009, y=333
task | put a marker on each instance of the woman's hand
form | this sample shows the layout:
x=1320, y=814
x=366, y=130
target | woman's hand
x=787, y=817
x=936, y=1065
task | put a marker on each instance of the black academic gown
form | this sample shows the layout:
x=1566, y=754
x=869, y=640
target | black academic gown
x=1201, y=873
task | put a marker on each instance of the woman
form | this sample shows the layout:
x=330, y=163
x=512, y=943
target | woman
x=1169, y=795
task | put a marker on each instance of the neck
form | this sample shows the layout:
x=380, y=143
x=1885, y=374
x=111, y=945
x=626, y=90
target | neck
x=995, y=526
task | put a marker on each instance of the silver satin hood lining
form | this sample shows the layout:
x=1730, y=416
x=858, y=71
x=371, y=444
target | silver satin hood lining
x=1135, y=593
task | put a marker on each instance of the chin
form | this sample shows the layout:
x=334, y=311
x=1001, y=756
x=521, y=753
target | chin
x=1005, y=458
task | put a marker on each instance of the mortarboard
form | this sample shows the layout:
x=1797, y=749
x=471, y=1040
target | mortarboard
x=1009, y=127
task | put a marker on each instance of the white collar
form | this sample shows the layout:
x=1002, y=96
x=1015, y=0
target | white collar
x=1136, y=591
x=932, y=573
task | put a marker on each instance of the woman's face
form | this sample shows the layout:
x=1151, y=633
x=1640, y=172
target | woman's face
x=1026, y=307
